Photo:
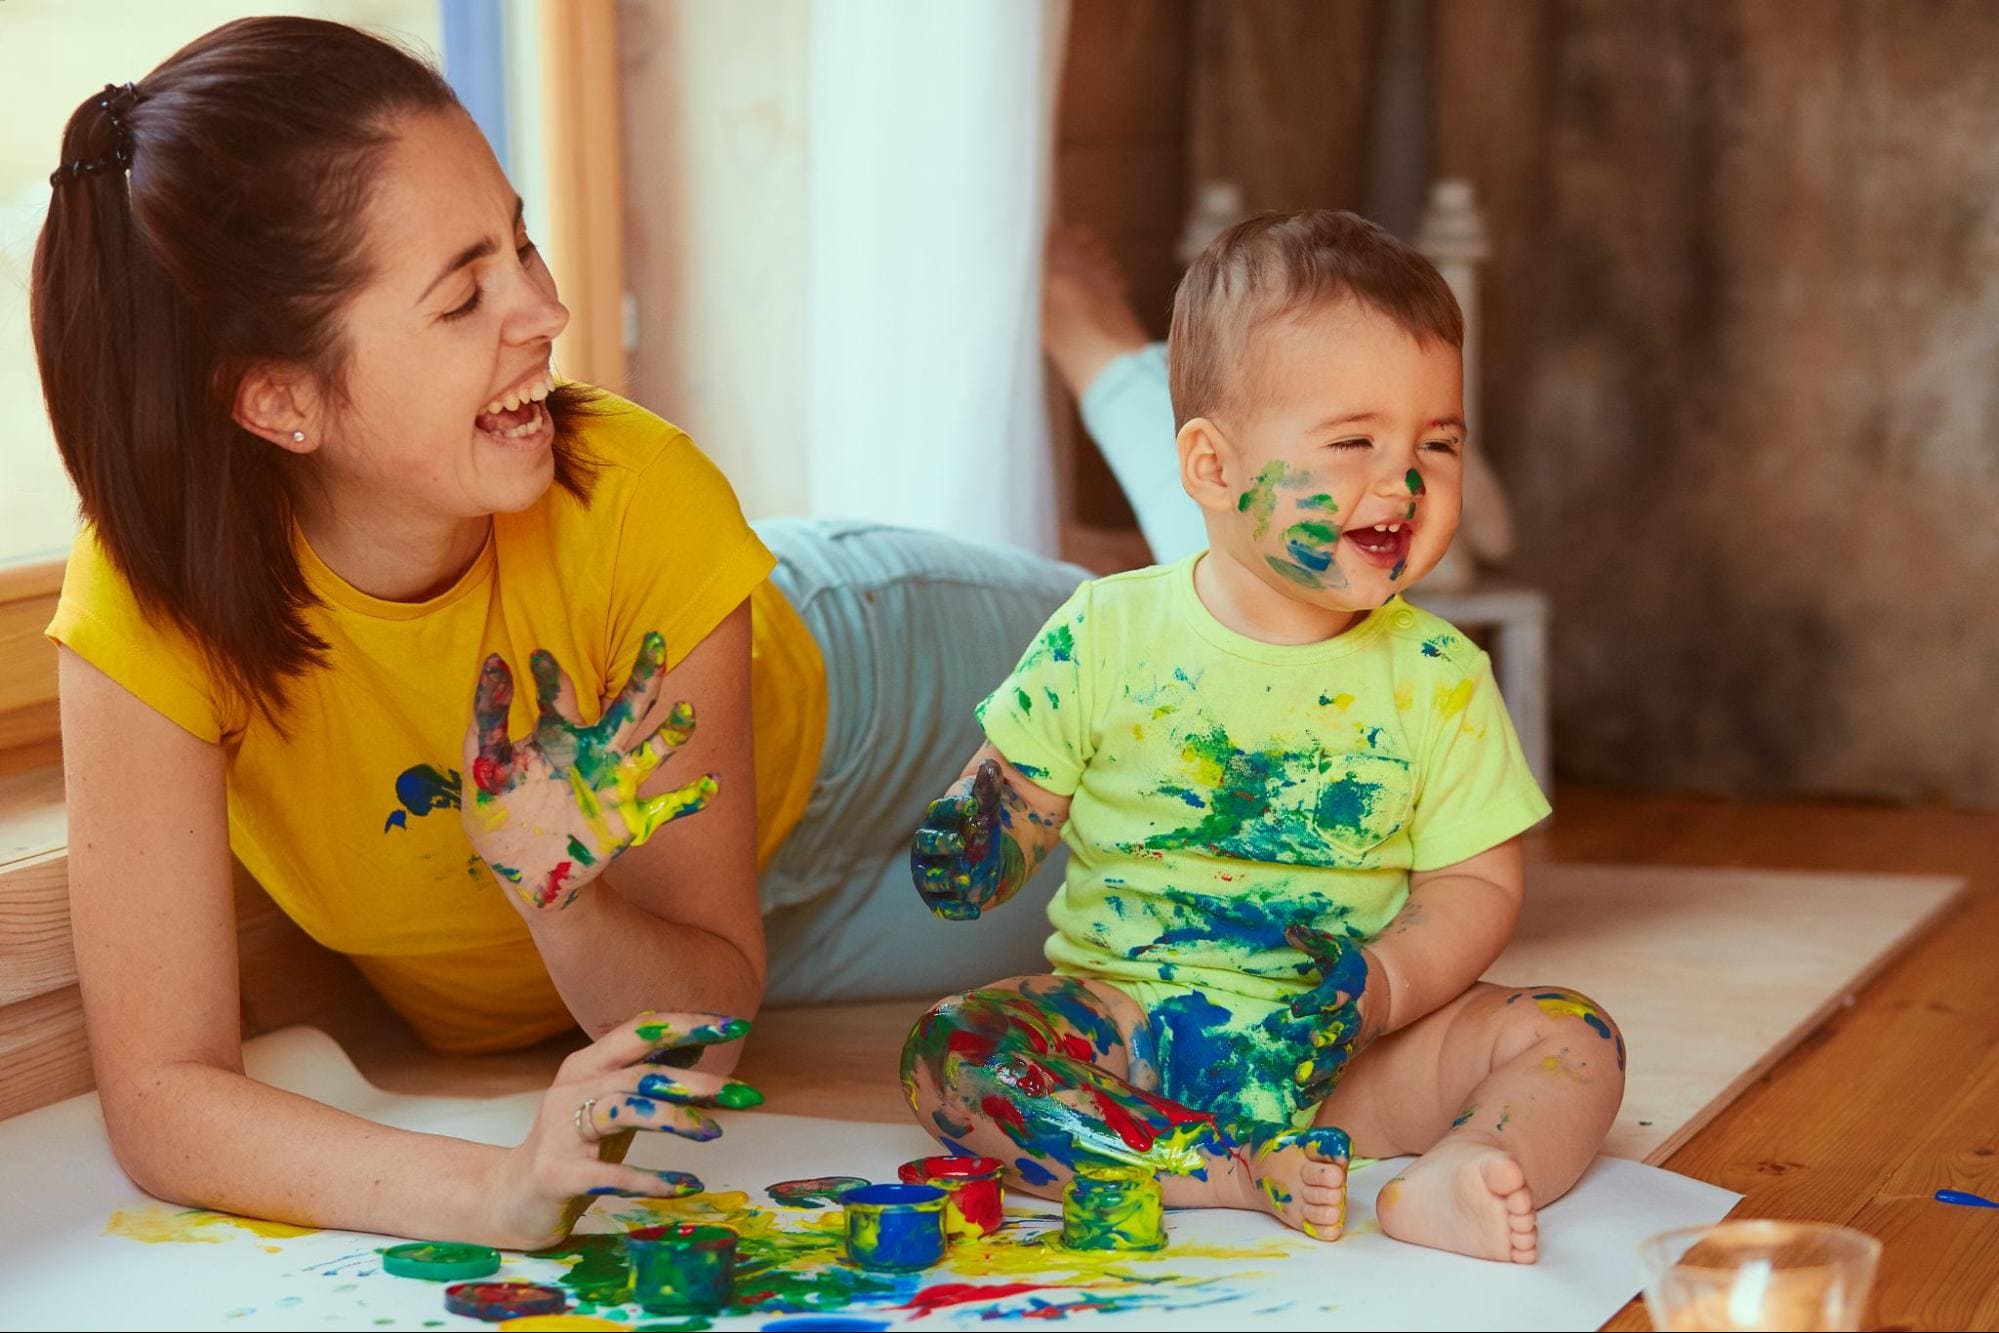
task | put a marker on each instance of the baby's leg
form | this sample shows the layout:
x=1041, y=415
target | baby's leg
x=1507, y=1093
x=1046, y=1073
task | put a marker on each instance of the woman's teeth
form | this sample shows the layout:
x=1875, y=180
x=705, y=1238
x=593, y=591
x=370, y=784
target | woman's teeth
x=529, y=391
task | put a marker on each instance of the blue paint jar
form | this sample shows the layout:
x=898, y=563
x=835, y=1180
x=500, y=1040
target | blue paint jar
x=682, y=1268
x=895, y=1228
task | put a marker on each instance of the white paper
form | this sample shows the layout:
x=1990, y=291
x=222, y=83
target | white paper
x=61, y=1267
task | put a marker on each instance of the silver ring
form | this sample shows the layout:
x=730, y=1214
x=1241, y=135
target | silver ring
x=583, y=1121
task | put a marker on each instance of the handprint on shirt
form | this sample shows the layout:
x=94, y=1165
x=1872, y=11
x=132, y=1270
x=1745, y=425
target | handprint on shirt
x=548, y=813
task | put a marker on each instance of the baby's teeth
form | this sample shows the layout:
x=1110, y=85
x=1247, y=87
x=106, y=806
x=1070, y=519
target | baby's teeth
x=1381, y=527
x=1395, y=527
x=493, y=408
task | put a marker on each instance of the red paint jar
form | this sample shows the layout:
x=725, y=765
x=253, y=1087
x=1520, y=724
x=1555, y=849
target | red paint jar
x=972, y=1189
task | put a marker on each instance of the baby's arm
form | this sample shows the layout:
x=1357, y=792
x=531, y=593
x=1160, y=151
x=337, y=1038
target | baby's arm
x=1455, y=923
x=983, y=839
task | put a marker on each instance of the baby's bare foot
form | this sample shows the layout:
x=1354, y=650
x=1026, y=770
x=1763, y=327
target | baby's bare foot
x=1086, y=317
x=1301, y=1176
x=1463, y=1196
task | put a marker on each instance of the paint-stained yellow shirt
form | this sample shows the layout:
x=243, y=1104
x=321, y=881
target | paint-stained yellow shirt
x=350, y=818
x=1224, y=789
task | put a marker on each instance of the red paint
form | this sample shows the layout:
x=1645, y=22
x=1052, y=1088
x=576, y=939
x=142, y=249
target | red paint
x=490, y=774
x=555, y=878
x=1173, y=1111
x=1035, y=1081
x=1122, y=1123
x=1035, y=1039
x=947, y=1294
x=971, y=1045
x=973, y=1184
x=1076, y=1048
x=1004, y=1111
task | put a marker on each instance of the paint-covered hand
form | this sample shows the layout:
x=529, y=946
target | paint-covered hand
x=1335, y=1025
x=962, y=857
x=549, y=812
x=582, y=1129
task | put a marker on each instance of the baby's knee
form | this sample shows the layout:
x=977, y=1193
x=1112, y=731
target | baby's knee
x=1540, y=1012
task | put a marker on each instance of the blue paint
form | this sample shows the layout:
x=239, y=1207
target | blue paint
x=1070, y=1002
x=1033, y=1172
x=1317, y=559
x=1965, y=1198
x=898, y=1228
x=825, y=1323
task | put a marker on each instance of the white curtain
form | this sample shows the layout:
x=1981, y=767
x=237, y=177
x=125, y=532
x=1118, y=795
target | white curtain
x=930, y=162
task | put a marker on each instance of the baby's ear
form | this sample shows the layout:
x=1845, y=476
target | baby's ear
x=1204, y=465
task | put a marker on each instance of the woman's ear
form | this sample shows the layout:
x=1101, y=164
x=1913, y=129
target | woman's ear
x=1204, y=465
x=280, y=405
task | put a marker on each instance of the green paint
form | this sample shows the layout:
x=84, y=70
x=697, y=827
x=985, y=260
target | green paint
x=578, y=852
x=1108, y=1209
x=1025, y=700
x=599, y=1271
x=1415, y=482
x=1260, y=500
x=1061, y=643
x=1319, y=501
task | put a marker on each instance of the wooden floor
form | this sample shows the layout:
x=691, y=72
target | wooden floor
x=1888, y=1102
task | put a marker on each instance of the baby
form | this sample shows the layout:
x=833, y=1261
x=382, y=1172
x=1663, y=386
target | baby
x=1294, y=805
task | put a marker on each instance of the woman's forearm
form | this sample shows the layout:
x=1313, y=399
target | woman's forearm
x=611, y=959
x=209, y=1137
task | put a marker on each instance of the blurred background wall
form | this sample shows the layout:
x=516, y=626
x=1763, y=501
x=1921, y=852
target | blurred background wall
x=1741, y=369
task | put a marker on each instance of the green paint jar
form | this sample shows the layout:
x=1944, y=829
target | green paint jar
x=1113, y=1208
x=682, y=1268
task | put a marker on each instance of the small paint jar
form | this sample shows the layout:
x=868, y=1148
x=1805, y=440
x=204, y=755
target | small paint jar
x=895, y=1228
x=973, y=1197
x=1113, y=1208
x=682, y=1268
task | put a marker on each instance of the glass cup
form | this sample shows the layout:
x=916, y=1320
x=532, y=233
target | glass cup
x=1759, y=1275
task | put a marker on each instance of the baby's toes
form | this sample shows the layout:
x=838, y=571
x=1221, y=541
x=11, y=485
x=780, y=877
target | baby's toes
x=1323, y=1219
x=1323, y=1175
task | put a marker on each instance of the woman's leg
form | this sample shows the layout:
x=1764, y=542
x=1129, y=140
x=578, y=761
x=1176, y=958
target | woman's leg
x=1051, y=1073
x=915, y=628
x=1118, y=378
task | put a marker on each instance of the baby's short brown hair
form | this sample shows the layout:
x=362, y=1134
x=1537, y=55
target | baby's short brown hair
x=1277, y=264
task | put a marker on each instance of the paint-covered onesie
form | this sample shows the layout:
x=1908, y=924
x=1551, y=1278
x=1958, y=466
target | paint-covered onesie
x=1225, y=789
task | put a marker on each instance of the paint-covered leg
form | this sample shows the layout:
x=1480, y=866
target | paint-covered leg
x=1034, y=1072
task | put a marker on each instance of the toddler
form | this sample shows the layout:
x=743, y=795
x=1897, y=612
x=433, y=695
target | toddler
x=1293, y=801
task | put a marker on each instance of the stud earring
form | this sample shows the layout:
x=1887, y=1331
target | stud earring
x=298, y=437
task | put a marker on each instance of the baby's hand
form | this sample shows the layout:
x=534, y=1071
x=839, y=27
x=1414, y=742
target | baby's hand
x=961, y=859
x=1333, y=1004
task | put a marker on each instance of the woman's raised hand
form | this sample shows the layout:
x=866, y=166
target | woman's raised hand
x=548, y=813
x=611, y=1087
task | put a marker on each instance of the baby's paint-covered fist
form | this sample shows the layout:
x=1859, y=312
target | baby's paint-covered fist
x=961, y=857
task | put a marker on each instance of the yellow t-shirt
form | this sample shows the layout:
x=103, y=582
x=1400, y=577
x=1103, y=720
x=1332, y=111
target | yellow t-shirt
x=350, y=819
x=1224, y=789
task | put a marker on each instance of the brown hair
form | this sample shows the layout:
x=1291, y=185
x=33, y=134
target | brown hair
x=1277, y=264
x=216, y=225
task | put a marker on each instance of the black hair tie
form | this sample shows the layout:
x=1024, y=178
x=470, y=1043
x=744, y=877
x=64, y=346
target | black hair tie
x=115, y=102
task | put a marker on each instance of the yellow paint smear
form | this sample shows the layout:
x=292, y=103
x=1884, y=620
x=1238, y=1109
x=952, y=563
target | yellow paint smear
x=160, y=1224
x=1452, y=701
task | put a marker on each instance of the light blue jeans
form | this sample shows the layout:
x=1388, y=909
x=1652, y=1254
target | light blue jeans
x=915, y=629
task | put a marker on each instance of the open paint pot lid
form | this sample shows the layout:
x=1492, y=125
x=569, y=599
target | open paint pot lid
x=440, y=1260
x=494, y=1301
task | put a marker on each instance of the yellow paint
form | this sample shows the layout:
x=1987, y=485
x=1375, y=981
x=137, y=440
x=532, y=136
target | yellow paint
x=1452, y=701
x=157, y=1224
x=1405, y=696
x=1569, y=1006
x=527, y=1323
x=1343, y=702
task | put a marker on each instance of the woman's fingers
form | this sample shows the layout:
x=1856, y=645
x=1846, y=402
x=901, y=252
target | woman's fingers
x=635, y=1182
x=646, y=817
x=556, y=726
x=617, y=1110
x=649, y=1035
x=622, y=724
x=493, y=760
x=692, y=1087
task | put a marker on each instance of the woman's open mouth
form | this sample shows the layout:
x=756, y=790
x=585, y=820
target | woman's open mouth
x=518, y=418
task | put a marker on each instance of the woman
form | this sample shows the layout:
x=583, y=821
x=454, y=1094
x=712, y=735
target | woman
x=295, y=346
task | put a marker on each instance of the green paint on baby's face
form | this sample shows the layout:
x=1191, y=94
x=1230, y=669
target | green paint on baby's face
x=1357, y=426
